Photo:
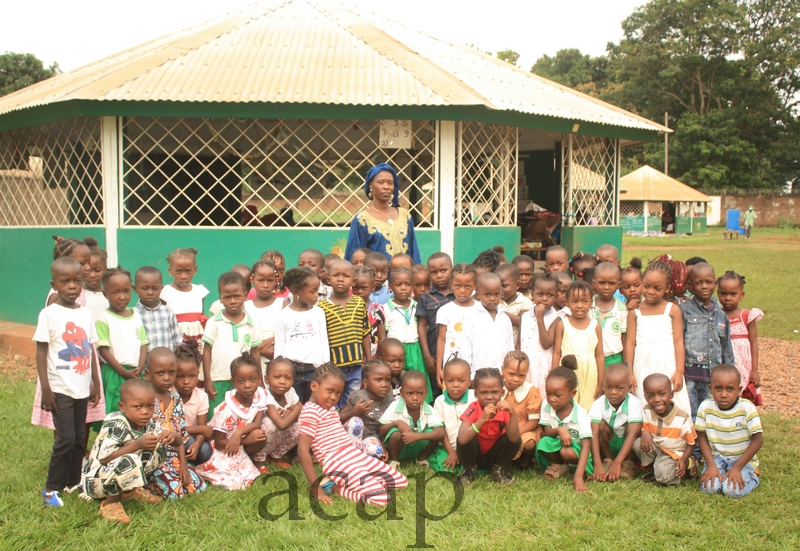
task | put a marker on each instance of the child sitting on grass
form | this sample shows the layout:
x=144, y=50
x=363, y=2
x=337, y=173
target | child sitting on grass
x=450, y=406
x=616, y=425
x=237, y=428
x=525, y=399
x=729, y=433
x=567, y=428
x=489, y=434
x=195, y=406
x=362, y=413
x=353, y=474
x=126, y=452
x=409, y=427
x=280, y=418
x=668, y=436
x=174, y=478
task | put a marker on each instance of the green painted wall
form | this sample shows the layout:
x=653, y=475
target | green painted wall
x=683, y=224
x=699, y=224
x=219, y=249
x=588, y=238
x=27, y=254
x=469, y=241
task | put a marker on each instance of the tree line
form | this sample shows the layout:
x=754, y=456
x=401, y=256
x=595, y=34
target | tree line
x=728, y=73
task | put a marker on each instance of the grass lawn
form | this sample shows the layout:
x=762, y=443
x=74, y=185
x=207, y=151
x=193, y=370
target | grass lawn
x=770, y=261
x=533, y=514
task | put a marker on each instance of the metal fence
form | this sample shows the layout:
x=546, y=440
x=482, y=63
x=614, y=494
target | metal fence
x=50, y=174
x=590, y=191
x=261, y=172
x=486, y=183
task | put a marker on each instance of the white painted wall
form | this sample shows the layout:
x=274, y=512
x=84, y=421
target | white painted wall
x=715, y=215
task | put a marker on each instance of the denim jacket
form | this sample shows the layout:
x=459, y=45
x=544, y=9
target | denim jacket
x=707, y=338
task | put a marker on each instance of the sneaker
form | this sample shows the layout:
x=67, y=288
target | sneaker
x=52, y=499
x=467, y=477
x=500, y=475
x=142, y=495
x=648, y=477
x=327, y=485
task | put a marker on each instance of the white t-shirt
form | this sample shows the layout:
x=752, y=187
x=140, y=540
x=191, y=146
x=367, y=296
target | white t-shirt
x=629, y=411
x=264, y=319
x=450, y=412
x=486, y=341
x=124, y=336
x=291, y=398
x=96, y=302
x=401, y=323
x=516, y=307
x=453, y=316
x=578, y=423
x=184, y=303
x=302, y=336
x=69, y=334
x=397, y=411
x=228, y=340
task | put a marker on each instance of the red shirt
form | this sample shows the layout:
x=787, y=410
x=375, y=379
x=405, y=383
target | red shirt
x=491, y=430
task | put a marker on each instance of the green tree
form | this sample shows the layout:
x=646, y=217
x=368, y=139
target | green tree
x=509, y=56
x=572, y=68
x=20, y=70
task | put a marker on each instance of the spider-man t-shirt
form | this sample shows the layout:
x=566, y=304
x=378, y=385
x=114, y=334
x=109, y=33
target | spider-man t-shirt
x=69, y=334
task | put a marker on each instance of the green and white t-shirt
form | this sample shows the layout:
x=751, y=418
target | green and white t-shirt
x=228, y=340
x=613, y=325
x=125, y=336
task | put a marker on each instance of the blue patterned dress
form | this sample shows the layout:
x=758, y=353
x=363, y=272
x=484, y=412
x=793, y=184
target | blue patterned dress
x=381, y=236
x=166, y=479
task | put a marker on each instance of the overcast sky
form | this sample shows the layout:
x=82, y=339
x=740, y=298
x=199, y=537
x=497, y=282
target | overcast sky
x=76, y=32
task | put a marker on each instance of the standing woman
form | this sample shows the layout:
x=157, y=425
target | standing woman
x=383, y=226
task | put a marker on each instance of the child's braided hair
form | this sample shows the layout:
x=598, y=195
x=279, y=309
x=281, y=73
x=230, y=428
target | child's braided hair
x=95, y=250
x=114, y=271
x=184, y=252
x=730, y=274
x=635, y=265
x=65, y=246
x=327, y=370
x=245, y=359
x=679, y=273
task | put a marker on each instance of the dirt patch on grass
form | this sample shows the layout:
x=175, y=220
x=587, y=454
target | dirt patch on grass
x=779, y=365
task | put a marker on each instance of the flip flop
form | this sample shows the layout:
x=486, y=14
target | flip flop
x=556, y=471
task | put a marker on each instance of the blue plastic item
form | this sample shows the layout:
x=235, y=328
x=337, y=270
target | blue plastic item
x=741, y=231
x=732, y=222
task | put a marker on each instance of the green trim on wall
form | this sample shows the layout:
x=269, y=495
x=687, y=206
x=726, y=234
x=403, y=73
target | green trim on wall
x=261, y=110
x=588, y=238
x=219, y=249
x=471, y=240
x=28, y=253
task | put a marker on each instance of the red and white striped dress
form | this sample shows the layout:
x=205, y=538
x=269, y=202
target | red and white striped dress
x=360, y=477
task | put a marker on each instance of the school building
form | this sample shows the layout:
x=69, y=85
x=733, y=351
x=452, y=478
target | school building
x=253, y=131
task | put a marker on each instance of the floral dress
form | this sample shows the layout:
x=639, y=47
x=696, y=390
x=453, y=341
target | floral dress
x=237, y=471
x=740, y=340
x=166, y=479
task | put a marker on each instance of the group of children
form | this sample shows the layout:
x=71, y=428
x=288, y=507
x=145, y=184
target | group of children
x=584, y=368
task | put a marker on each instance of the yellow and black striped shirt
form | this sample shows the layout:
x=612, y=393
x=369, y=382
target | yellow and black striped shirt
x=347, y=327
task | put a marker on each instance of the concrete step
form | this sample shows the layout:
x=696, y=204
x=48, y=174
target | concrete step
x=17, y=338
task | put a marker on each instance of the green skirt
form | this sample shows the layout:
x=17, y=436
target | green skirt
x=415, y=361
x=613, y=359
x=437, y=459
x=112, y=382
x=551, y=444
x=221, y=387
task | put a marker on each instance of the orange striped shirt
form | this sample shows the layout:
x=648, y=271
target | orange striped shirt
x=671, y=433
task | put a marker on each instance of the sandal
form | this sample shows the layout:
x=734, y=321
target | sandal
x=556, y=471
x=423, y=463
x=278, y=462
x=628, y=470
x=649, y=476
x=142, y=495
x=394, y=465
x=114, y=512
x=691, y=468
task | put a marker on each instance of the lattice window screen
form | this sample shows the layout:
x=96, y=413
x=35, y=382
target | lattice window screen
x=486, y=184
x=590, y=180
x=50, y=174
x=655, y=208
x=260, y=172
x=631, y=208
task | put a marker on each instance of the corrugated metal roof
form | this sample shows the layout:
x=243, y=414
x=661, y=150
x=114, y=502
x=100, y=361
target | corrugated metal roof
x=302, y=52
x=648, y=184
